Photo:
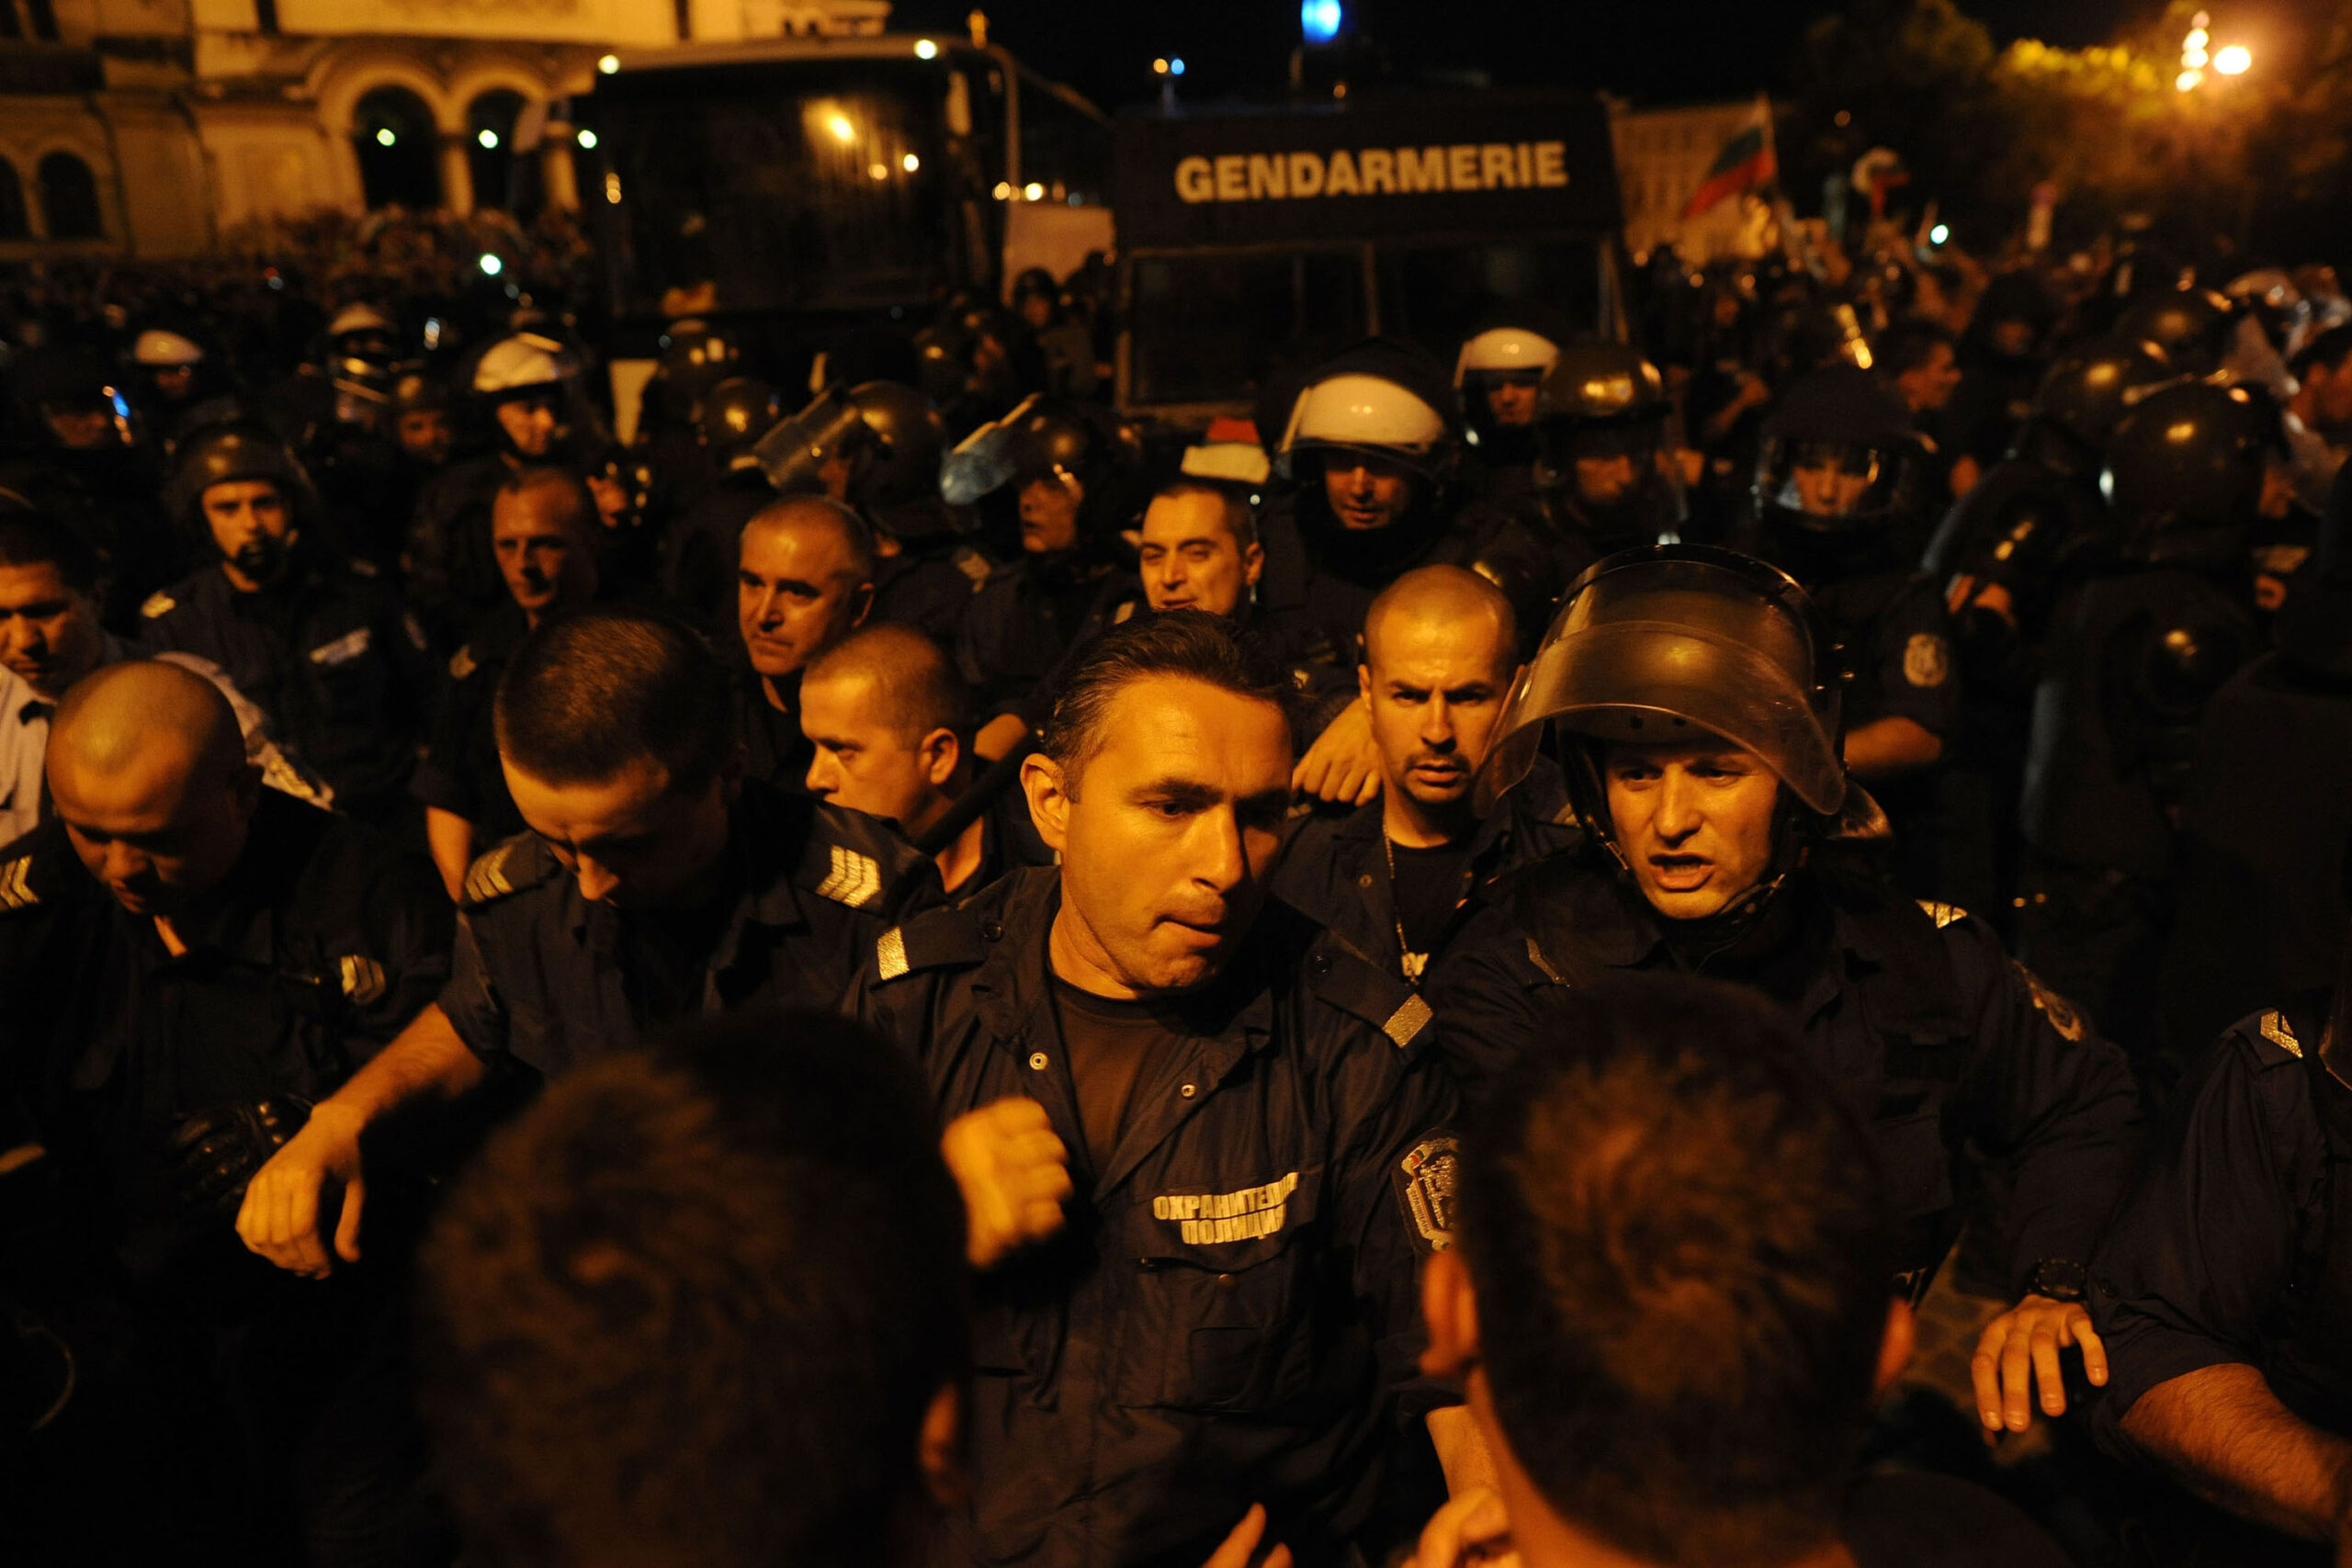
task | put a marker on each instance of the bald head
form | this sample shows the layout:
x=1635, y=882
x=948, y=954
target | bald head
x=1449, y=600
x=906, y=679
x=147, y=770
x=823, y=522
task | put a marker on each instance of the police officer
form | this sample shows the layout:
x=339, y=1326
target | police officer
x=888, y=719
x=519, y=382
x=190, y=960
x=1062, y=340
x=1496, y=375
x=2223, y=1287
x=323, y=646
x=1063, y=472
x=804, y=580
x=2265, y=826
x=1836, y=503
x=78, y=459
x=698, y=553
x=2193, y=327
x=2005, y=554
x=1603, y=478
x=876, y=447
x=544, y=533
x=1201, y=1142
x=1697, y=717
x=2136, y=653
x=655, y=882
x=1441, y=656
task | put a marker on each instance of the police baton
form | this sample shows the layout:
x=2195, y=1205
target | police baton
x=994, y=779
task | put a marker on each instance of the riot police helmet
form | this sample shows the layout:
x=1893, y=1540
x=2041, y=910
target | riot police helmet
x=695, y=358
x=735, y=414
x=1600, y=419
x=2082, y=397
x=1678, y=642
x=523, y=366
x=2193, y=326
x=222, y=454
x=361, y=330
x=1838, y=455
x=1379, y=399
x=1062, y=440
x=1508, y=354
x=2184, y=472
x=884, y=435
x=162, y=348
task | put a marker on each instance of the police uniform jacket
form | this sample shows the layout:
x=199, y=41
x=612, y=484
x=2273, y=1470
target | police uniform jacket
x=929, y=585
x=1230, y=1315
x=776, y=749
x=323, y=944
x=460, y=772
x=548, y=979
x=2234, y=1246
x=1336, y=868
x=1028, y=616
x=1939, y=1041
x=329, y=654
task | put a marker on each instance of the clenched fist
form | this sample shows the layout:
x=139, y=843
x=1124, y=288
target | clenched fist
x=1014, y=1173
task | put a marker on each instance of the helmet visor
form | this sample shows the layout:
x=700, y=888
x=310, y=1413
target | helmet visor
x=1832, y=483
x=794, y=454
x=986, y=461
x=1665, y=649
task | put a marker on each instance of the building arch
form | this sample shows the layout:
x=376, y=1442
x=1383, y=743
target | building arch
x=67, y=188
x=16, y=218
x=395, y=138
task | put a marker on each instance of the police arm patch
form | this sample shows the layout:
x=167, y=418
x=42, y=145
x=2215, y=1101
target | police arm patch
x=1425, y=1190
x=1927, y=659
x=855, y=879
x=2279, y=1032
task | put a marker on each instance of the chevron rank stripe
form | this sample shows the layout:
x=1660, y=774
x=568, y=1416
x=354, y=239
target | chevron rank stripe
x=856, y=879
x=16, y=884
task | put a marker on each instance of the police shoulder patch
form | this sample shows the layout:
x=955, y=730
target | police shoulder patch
x=1942, y=914
x=1424, y=1179
x=1927, y=659
x=512, y=866
x=158, y=604
x=17, y=891
x=854, y=858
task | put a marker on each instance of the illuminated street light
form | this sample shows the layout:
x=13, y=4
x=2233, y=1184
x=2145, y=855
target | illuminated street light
x=2194, y=58
x=490, y=265
x=488, y=138
x=926, y=50
x=2232, y=61
x=588, y=139
x=1033, y=191
x=841, y=129
x=877, y=171
x=2187, y=80
x=2198, y=39
x=1159, y=66
x=1939, y=234
x=609, y=64
x=911, y=163
x=385, y=138
x=1003, y=192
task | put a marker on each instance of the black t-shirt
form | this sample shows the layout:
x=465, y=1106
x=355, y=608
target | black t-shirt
x=1108, y=1043
x=1920, y=1520
x=1427, y=891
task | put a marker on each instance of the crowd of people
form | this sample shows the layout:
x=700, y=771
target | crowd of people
x=569, y=1001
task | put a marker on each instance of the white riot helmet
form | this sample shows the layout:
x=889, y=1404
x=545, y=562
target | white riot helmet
x=1372, y=416
x=156, y=349
x=522, y=365
x=1502, y=351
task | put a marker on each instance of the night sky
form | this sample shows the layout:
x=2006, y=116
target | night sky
x=1654, y=51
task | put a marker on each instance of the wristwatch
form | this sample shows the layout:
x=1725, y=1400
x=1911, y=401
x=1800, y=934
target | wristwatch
x=2059, y=1280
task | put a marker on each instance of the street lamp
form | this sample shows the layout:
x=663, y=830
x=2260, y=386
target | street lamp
x=2234, y=60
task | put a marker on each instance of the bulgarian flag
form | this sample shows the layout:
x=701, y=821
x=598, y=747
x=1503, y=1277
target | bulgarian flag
x=1745, y=161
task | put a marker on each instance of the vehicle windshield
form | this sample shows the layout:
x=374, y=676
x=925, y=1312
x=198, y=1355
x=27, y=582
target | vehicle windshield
x=1438, y=295
x=777, y=187
x=1213, y=328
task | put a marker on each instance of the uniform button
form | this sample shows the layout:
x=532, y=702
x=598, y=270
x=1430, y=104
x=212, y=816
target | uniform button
x=1189, y=1090
x=992, y=929
x=1037, y=1060
x=1365, y=881
x=1320, y=963
x=1225, y=1281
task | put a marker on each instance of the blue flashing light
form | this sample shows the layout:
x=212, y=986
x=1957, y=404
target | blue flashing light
x=1175, y=67
x=1939, y=234
x=1320, y=21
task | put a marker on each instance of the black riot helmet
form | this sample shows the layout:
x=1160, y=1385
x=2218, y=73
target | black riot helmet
x=1600, y=419
x=696, y=358
x=735, y=414
x=885, y=436
x=2193, y=326
x=2315, y=625
x=1673, y=642
x=2184, y=473
x=64, y=379
x=1838, y=455
x=1057, y=439
x=238, y=449
x=2083, y=396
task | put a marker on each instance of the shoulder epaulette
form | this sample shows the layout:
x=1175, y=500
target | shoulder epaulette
x=1942, y=914
x=1341, y=975
x=936, y=939
x=17, y=891
x=512, y=866
x=2275, y=1028
x=158, y=604
x=853, y=858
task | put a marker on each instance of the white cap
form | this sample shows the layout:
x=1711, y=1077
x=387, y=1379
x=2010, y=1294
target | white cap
x=1363, y=410
x=359, y=319
x=513, y=364
x=1242, y=462
x=165, y=350
x=1505, y=348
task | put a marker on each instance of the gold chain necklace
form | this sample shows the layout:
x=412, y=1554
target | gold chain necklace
x=1411, y=962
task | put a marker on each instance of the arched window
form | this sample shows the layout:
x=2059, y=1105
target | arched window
x=489, y=130
x=14, y=224
x=392, y=131
x=68, y=198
